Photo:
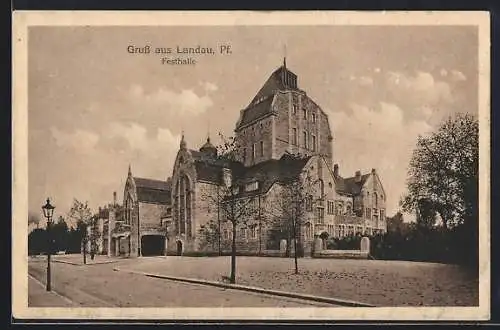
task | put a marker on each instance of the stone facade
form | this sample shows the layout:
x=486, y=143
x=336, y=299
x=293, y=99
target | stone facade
x=281, y=135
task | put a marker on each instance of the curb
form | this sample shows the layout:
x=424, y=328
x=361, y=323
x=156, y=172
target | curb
x=89, y=264
x=295, y=295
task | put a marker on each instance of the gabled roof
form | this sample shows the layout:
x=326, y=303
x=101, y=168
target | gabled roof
x=350, y=185
x=153, y=191
x=270, y=172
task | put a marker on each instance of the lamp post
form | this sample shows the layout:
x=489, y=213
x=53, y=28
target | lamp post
x=48, y=212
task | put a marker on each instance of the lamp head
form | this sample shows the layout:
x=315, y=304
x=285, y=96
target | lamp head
x=48, y=210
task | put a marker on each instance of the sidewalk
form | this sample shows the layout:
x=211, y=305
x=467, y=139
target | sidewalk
x=77, y=259
x=39, y=297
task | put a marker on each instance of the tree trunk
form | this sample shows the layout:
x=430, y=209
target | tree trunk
x=233, y=256
x=84, y=251
x=295, y=247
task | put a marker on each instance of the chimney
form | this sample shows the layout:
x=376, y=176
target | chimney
x=373, y=171
x=336, y=170
x=114, y=198
x=100, y=211
x=357, y=176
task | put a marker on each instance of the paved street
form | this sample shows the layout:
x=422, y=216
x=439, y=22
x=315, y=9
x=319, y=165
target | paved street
x=99, y=286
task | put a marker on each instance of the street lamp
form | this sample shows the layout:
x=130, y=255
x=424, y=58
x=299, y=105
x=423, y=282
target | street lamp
x=48, y=212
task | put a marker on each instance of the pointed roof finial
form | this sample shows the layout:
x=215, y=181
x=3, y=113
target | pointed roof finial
x=284, y=56
x=208, y=131
x=129, y=169
x=183, y=142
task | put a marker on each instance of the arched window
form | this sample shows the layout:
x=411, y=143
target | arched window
x=321, y=188
x=375, y=200
x=182, y=205
x=349, y=209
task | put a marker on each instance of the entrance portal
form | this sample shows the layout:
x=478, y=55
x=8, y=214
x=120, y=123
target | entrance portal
x=179, y=248
x=152, y=245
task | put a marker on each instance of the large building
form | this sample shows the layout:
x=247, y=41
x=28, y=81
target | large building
x=281, y=135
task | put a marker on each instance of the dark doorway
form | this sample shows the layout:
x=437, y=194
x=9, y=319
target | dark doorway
x=152, y=245
x=179, y=248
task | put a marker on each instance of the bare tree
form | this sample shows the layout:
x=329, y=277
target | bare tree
x=297, y=197
x=81, y=215
x=233, y=208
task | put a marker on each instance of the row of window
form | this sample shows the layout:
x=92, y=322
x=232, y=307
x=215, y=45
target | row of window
x=376, y=213
x=256, y=149
x=252, y=232
x=306, y=143
x=342, y=230
x=304, y=113
x=339, y=210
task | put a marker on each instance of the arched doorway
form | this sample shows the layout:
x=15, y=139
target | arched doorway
x=179, y=248
x=152, y=245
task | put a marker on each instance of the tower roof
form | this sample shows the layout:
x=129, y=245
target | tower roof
x=281, y=79
x=208, y=146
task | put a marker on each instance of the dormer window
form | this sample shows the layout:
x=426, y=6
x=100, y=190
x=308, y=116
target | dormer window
x=252, y=186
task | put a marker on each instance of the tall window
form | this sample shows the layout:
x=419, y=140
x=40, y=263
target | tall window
x=375, y=200
x=341, y=231
x=305, y=139
x=294, y=109
x=320, y=215
x=313, y=142
x=308, y=230
x=368, y=213
x=321, y=187
x=253, y=152
x=261, y=148
x=244, y=155
x=253, y=231
x=382, y=214
x=304, y=113
x=313, y=117
x=309, y=203
x=348, y=209
x=294, y=137
x=330, y=207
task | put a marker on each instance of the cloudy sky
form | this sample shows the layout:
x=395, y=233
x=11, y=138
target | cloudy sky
x=97, y=108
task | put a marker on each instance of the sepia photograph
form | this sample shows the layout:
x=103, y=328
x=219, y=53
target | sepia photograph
x=244, y=165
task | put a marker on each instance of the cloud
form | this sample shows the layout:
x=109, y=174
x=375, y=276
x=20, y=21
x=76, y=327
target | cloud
x=209, y=87
x=81, y=141
x=362, y=80
x=412, y=92
x=365, y=81
x=443, y=72
x=376, y=70
x=138, y=139
x=457, y=76
x=381, y=139
x=185, y=102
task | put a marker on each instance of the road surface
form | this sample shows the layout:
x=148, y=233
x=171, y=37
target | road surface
x=100, y=286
